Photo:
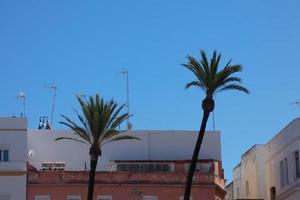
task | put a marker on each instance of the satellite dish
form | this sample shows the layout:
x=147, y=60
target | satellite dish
x=31, y=155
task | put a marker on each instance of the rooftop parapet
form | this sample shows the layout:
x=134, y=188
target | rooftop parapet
x=13, y=123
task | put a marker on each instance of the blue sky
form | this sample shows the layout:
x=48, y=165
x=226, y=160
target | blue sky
x=82, y=47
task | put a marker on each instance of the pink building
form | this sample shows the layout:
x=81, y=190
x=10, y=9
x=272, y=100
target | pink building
x=154, y=168
x=133, y=180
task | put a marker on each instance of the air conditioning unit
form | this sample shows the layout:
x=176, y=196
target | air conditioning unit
x=53, y=165
x=47, y=165
x=59, y=165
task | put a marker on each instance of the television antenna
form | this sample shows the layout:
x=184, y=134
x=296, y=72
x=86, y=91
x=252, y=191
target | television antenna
x=296, y=103
x=53, y=87
x=21, y=96
x=125, y=73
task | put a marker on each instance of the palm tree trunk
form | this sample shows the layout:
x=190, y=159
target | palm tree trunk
x=93, y=165
x=189, y=179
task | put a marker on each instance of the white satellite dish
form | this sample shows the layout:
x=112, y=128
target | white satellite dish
x=31, y=155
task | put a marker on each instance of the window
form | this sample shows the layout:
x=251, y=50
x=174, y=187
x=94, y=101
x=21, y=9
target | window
x=247, y=188
x=200, y=167
x=297, y=166
x=281, y=175
x=4, y=155
x=42, y=197
x=150, y=198
x=103, y=197
x=286, y=172
x=73, y=197
x=144, y=167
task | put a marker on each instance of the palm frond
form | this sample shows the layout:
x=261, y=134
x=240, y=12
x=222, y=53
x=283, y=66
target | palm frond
x=81, y=132
x=204, y=62
x=196, y=67
x=119, y=138
x=119, y=120
x=114, y=114
x=232, y=79
x=235, y=87
x=195, y=83
x=69, y=138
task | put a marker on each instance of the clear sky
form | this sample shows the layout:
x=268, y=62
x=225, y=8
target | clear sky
x=82, y=47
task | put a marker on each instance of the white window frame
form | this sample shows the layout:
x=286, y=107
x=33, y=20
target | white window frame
x=2, y=154
x=73, y=197
x=286, y=171
x=42, y=197
x=104, y=197
x=152, y=197
x=281, y=170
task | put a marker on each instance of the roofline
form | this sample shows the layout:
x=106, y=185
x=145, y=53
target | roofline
x=238, y=165
x=133, y=131
x=251, y=148
x=160, y=161
x=282, y=130
x=231, y=182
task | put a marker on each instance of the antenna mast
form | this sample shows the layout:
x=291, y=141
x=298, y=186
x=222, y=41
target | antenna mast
x=125, y=72
x=54, y=88
x=297, y=103
x=22, y=96
x=213, y=115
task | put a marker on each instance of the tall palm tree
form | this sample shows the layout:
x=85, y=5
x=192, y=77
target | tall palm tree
x=98, y=126
x=211, y=80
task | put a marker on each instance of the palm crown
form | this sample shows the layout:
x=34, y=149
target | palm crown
x=99, y=123
x=209, y=79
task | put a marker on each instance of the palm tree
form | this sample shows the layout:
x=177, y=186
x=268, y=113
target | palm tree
x=211, y=81
x=98, y=126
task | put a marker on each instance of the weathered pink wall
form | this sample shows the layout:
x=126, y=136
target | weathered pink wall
x=124, y=185
x=122, y=192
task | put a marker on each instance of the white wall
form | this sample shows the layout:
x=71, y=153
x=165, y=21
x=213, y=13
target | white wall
x=154, y=145
x=13, y=136
x=14, y=186
x=237, y=182
x=261, y=155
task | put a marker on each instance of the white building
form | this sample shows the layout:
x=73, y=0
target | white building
x=13, y=158
x=272, y=170
x=153, y=145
